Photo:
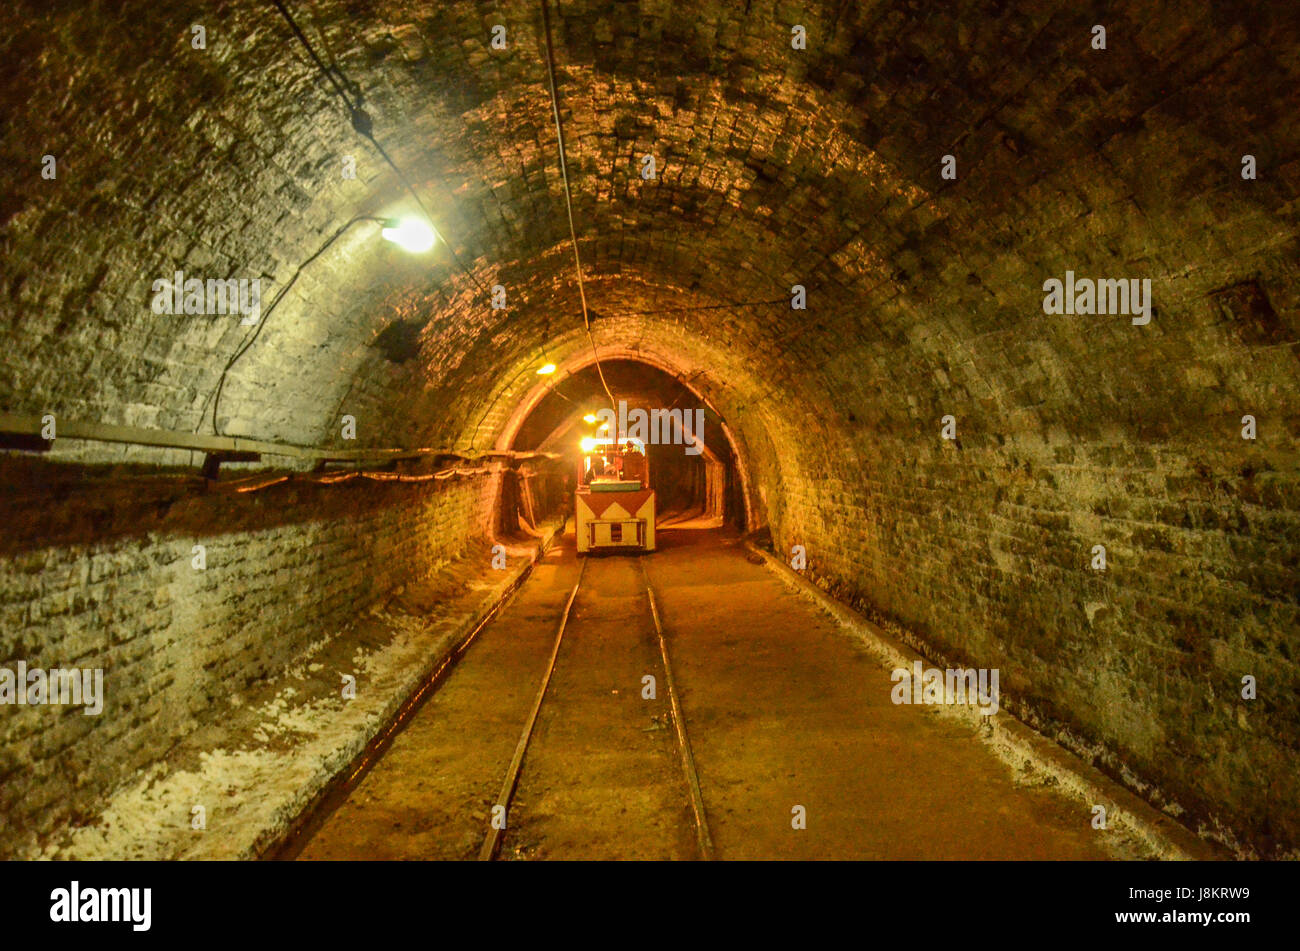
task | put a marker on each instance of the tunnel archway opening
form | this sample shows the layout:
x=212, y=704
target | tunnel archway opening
x=694, y=466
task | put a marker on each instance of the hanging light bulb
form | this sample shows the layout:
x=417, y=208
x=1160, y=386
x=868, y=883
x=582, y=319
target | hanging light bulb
x=409, y=234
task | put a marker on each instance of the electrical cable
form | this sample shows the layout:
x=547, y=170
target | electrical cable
x=266, y=315
x=568, y=198
x=364, y=126
x=259, y=482
x=293, y=25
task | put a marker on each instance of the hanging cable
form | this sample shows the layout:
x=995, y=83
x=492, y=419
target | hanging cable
x=362, y=123
x=568, y=198
x=266, y=315
x=338, y=87
x=364, y=126
x=259, y=482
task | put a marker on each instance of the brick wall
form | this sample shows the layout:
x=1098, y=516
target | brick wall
x=96, y=571
x=981, y=556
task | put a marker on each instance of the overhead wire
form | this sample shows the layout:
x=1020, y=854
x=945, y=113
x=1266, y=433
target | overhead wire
x=265, y=316
x=568, y=197
x=364, y=126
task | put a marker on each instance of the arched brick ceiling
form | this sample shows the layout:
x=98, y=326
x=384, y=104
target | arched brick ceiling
x=555, y=423
x=638, y=384
x=776, y=167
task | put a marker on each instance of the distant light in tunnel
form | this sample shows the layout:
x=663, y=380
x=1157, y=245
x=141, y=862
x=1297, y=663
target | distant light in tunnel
x=546, y=369
x=409, y=234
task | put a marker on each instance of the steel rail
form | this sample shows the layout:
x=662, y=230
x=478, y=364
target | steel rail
x=702, y=837
x=493, y=841
x=704, y=840
x=290, y=843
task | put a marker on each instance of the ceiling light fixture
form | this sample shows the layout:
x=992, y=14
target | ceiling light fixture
x=409, y=234
x=546, y=369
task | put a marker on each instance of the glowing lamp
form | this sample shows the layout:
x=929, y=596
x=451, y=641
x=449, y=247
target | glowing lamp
x=589, y=418
x=587, y=444
x=546, y=369
x=409, y=234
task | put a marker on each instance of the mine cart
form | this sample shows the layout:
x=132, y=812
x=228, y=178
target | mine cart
x=614, y=505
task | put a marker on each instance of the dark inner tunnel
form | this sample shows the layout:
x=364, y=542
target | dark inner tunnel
x=705, y=482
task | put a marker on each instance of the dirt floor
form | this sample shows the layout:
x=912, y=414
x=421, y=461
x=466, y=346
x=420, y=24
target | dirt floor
x=783, y=709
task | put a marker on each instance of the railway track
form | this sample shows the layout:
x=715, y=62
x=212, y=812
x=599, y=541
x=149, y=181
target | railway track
x=787, y=716
x=501, y=810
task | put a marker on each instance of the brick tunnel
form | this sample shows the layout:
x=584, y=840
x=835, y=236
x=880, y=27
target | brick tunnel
x=987, y=312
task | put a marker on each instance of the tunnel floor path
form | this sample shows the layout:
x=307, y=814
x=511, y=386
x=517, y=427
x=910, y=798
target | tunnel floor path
x=783, y=709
